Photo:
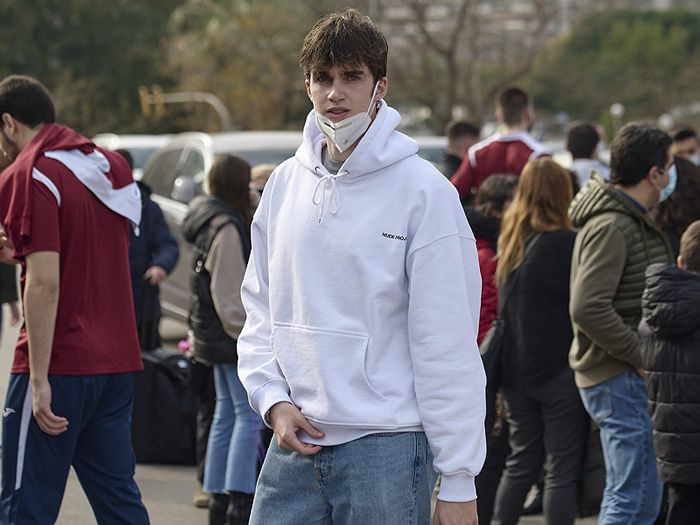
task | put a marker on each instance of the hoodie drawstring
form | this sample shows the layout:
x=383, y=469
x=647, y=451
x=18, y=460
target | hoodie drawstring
x=319, y=195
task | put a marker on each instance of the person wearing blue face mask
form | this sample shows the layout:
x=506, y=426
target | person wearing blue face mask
x=679, y=201
x=617, y=240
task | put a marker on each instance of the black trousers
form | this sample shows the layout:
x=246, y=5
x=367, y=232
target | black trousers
x=683, y=504
x=204, y=395
x=548, y=425
x=497, y=450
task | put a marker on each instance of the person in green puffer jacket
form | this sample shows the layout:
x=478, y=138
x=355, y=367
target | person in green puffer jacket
x=617, y=241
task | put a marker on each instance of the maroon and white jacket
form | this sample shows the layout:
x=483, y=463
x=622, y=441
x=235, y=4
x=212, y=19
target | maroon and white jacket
x=501, y=153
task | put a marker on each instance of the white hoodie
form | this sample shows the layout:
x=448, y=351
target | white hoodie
x=362, y=296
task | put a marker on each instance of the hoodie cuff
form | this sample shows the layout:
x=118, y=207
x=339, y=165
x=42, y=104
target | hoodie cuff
x=457, y=487
x=268, y=396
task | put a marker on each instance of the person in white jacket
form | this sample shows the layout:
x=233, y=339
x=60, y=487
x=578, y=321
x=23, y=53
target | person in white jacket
x=362, y=299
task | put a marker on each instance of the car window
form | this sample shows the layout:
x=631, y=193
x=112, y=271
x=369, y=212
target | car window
x=431, y=154
x=140, y=155
x=192, y=168
x=193, y=165
x=161, y=171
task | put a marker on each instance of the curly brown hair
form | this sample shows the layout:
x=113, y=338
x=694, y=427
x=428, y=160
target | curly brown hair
x=344, y=38
x=690, y=247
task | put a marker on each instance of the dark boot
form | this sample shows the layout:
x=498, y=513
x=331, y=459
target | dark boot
x=239, y=508
x=218, y=503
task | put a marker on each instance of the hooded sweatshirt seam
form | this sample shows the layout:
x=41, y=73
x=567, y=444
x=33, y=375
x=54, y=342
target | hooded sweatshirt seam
x=429, y=243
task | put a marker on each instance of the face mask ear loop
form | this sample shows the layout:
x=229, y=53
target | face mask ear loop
x=377, y=105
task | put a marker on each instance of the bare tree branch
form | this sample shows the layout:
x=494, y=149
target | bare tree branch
x=419, y=10
x=465, y=7
x=545, y=12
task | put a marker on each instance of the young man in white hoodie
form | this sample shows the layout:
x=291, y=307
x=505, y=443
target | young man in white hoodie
x=362, y=298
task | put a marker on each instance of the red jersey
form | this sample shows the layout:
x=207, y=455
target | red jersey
x=54, y=211
x=498, y=154
x=488, y=264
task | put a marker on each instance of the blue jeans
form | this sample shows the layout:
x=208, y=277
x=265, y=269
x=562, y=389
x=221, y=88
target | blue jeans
x=381, y=478
x=235, y=437
x=632, y=487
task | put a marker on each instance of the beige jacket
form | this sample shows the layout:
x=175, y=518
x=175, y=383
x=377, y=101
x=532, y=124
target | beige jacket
x=226, y=266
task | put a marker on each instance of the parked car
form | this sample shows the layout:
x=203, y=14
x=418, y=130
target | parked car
x=141, y=147
x=175, y=174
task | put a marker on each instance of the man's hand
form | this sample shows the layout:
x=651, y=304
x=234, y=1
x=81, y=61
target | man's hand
x=41, y=407
x=5, y=240
x=15, y=314
x=155, y=275
x=6, y=249
x=455, y=513
x=286, y=421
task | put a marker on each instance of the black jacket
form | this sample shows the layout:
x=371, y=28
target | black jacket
x=670, y=343
x=449, y=164
x=205, y=218
x=154, y=246
x=484, y=227
x=538, y=330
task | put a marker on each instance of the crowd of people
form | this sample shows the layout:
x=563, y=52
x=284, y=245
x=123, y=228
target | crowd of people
x=570, y=263
x=342, y=299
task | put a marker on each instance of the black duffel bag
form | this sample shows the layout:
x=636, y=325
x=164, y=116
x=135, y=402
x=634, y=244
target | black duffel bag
x=163, y=424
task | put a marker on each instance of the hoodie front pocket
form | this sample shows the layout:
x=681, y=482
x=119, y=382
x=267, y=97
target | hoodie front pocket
x=325, y=371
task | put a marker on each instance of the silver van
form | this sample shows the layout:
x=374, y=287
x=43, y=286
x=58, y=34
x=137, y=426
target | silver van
x=175, y=174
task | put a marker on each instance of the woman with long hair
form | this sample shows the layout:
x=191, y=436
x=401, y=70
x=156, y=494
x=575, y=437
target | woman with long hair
x=546, y=419
x=682, y=206
x=218, y=226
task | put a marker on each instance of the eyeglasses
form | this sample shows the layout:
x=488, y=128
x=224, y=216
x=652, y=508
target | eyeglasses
x=666, y=171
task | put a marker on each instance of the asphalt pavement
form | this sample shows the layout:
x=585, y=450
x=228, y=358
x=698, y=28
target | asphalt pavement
x=167, y=490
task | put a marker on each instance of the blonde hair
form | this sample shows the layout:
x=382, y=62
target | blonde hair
x=540, y=204
x=262, y=171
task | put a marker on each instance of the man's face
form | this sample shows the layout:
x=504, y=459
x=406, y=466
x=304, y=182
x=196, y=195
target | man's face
x=8, y=126
x=686, y=148
x=8, y=146
x=460, y=145
x=341, y=92
x=660, y=178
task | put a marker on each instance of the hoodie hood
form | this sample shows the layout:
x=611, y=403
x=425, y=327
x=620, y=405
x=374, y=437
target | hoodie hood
x=379, y=148
x=202, y=210
x=671, y=301
x=595, y=198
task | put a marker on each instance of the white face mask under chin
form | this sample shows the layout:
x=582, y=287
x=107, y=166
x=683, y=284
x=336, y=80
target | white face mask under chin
x=344, y=133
